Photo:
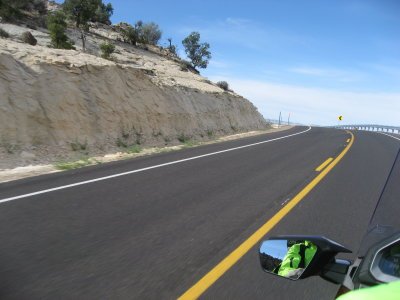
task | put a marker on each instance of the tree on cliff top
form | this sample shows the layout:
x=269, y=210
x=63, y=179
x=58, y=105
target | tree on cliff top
x=144, y=33
x=83, y=11
x=103, y=13
x=151, y=33
x=131, y=33
x=198, y=53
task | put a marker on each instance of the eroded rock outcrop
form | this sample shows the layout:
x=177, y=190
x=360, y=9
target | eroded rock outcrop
x=55, y=97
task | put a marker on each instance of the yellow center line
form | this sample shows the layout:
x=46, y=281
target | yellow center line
x=212, y=276
x=324, y=164
x=348, y=140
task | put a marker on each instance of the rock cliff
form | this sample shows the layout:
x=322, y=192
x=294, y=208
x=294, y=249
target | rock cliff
x=52, y=97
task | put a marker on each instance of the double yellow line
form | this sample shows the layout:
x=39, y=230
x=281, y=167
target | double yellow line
x=212, y=276
x=324, y=164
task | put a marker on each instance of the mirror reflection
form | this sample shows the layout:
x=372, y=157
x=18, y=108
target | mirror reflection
x=390, y=260
x=287, y=258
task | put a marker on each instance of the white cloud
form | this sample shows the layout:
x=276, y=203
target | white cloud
x=219, y=64
x=334, y=74
x=318, y=106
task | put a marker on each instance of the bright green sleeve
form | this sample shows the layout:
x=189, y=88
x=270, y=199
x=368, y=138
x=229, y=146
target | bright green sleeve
x=385, y=291
x=290, y=261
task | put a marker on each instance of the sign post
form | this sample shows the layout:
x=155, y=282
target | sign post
x=279, y=121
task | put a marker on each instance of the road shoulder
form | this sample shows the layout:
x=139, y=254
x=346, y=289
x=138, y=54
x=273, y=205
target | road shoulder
x=33, y=169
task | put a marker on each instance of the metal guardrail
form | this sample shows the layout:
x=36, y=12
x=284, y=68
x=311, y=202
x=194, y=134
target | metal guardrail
x=370, y=127
x=367, y=127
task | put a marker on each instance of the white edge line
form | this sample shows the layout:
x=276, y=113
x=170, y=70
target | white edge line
x=390, y=135
x=144, y=169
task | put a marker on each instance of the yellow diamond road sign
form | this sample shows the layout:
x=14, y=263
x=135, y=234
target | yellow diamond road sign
x=340, y=118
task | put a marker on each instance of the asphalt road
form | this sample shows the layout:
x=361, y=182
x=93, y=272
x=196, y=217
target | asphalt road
x=153, y=234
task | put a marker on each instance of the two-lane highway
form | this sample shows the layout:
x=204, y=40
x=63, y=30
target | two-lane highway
x=152, y=227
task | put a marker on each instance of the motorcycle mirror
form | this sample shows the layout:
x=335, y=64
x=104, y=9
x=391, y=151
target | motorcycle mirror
x=287, y=258
x=297, y=257
x=386, y=263
x=382, y=262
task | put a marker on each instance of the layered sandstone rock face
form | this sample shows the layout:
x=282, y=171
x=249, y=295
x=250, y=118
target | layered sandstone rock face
x=52, y=97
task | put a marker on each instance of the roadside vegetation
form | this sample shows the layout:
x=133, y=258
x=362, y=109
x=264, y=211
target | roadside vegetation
x=190, y=145
x=77, y=146
x=134, y=149
x=184, y=138
x=137, y=150
x=75, y=164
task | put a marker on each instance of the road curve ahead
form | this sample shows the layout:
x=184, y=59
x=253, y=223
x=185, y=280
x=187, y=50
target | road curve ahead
x=165, y=221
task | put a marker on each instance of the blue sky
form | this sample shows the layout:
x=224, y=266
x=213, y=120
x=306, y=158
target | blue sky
x=274, y=248
x=314, y=59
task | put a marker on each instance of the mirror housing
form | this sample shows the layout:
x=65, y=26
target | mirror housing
x=325, y=254
x=381, y=264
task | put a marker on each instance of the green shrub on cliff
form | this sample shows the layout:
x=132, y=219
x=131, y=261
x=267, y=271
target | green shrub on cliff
x=57, y=26
x=223, y=85
x=107, y=49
